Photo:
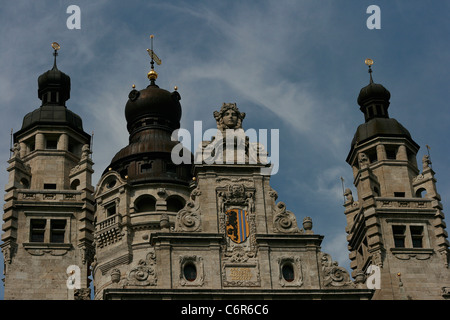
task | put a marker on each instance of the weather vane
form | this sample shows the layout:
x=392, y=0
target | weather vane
x=152, y=75
x=369, y=62
x=56, y=47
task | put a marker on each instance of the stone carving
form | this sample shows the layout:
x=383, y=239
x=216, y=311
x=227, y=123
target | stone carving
x=334, y=275
x=307, y=225
x=144, y=274
x=229, y=117
x=241, y=275
x=85, y=152
x=363, y=160
x=87, y=254
x=348, y=195
x=426, y=162
x=115, y=275
x=284, y=220
x=16, y=150
x=240, y=197
x=188, y=218
x=236, y=148
x=408, y=256
x=238, y=254
x=82, y=294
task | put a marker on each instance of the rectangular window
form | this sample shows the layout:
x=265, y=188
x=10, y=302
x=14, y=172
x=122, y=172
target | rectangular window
x=37, y=230
x=417, y=236
x=399, y=236
x=399, y=194
x=51, y=186
x=111, y=209
x=57, y=230
x=51, y=144
x=146, y=167
x=391, y=154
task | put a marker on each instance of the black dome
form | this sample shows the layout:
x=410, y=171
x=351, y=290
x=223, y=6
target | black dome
x=54, y=80
x=380, y=127
x=373, y=92
x=153, y=106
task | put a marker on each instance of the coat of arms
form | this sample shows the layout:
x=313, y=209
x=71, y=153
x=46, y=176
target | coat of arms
x=237, y=225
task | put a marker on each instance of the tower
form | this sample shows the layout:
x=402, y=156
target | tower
x=48, y=212
x=396, y=225
x=140, y=192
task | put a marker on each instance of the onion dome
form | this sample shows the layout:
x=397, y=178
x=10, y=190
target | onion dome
x=54, y=91
x=374, y=102
x=152, y=114
x=153, y=107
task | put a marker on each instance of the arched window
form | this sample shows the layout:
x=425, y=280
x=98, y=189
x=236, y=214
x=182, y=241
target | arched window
x=25, y=183
x=145, y=203
x=175, y=203
x=75, y=184
x=421, y=193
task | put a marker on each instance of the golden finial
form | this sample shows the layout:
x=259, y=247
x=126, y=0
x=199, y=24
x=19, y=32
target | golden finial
x=175, y=88
x=369, y=62
x=133, y=86
x=56, y=46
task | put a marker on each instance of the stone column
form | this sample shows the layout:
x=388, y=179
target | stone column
x=402, y=154
x=40, y=141
x=381, y=152
x=63, y=142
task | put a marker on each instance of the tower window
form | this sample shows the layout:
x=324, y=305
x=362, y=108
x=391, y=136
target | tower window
x=50, y=186
x=391, y=153
x=51, y=144
x=37, y=230
x=57, y=230
x=399, y=194
x=145, y=203
x=417, y=236
x=111, y=209
x=146, y=167
x=399, y=236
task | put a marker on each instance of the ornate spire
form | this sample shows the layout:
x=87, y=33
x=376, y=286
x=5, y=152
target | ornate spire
x=152, y=74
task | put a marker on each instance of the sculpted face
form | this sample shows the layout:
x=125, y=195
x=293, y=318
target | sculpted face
x=230, y=118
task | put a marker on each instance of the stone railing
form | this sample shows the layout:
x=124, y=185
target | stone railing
x=109, y=231
x=50, y=195
x=114, y=220
x=403, y=203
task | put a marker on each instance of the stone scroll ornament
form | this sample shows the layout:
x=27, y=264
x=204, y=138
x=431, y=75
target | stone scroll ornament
x=334, y=275
x=144, y=274
x=188, y=218
x=284, y=220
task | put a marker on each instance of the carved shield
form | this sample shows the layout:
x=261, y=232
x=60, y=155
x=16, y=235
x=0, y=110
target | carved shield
x=236, y=225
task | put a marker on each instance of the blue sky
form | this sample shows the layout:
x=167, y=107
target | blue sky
x=296, y=66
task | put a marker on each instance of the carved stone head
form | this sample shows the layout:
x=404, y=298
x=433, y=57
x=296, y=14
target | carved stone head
x=229, y=117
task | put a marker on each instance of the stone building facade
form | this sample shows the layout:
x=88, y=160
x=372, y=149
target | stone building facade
x=209, y=227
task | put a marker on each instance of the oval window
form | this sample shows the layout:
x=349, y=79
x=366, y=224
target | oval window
x=190, y=272
x=288, y=272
